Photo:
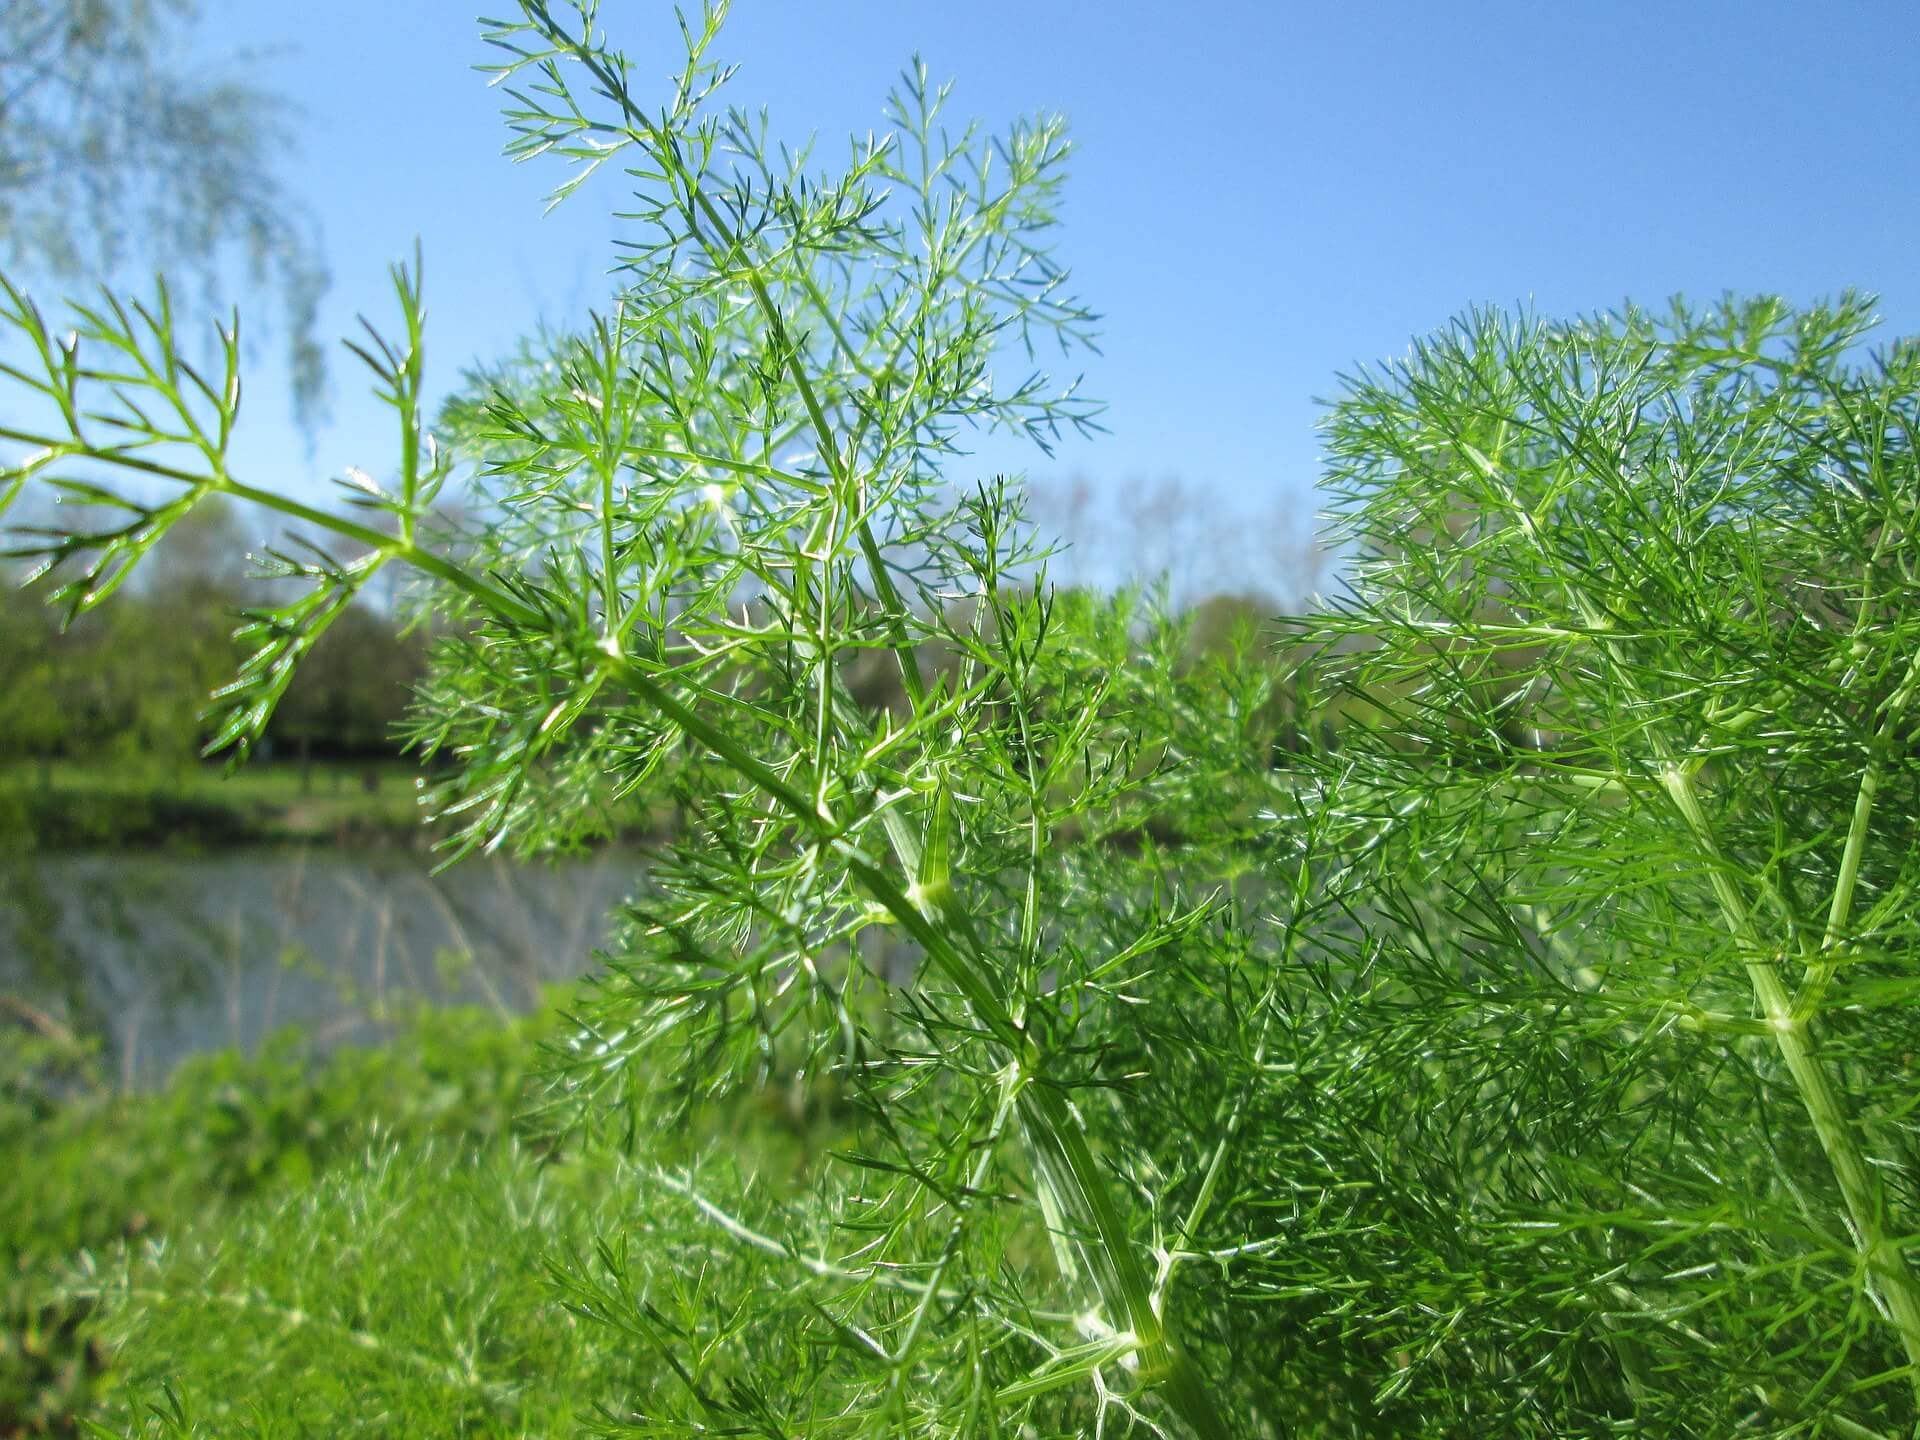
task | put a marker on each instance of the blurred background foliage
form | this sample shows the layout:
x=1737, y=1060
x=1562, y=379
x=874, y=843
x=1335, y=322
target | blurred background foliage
x=102, y=724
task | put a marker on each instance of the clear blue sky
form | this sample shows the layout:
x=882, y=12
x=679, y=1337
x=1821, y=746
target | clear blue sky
x=1264, y=194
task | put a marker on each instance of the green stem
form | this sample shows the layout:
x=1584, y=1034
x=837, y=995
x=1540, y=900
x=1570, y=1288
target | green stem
x=502, y=604
x=1821, y=972
x=722, y=462
x=1066, y=1163
x=1059, y=1142
x=1010, y=1086
x=1860, y=1186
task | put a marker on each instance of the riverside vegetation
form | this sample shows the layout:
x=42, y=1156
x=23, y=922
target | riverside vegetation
x=99, y=724
x=1531, y=1057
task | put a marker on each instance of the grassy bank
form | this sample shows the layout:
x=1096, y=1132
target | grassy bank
x=68, y=806
x=100, y=806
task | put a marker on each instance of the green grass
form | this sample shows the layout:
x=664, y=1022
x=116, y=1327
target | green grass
x=389, y=1288
x=86, y=1171
x=284, y=1239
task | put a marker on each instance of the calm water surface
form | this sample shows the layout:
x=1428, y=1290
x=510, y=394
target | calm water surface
x=165, y=955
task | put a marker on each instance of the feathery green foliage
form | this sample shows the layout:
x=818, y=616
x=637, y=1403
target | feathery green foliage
x=91, y=1176
x=1631, y=851
x=1529, y=1063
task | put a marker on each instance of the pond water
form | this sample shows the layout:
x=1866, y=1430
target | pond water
x=164, y=955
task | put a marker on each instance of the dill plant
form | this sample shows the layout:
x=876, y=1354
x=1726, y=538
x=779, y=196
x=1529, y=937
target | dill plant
x=1527, y=1056
x=727, y=485
x=1624, y=813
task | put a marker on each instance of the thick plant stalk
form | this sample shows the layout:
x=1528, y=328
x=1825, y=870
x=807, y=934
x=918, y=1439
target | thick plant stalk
x=1860, y=1187
x=1068, y=1170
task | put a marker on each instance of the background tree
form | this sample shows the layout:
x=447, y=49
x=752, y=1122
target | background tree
x=31, y=723
x=133, y=688
x=1178, y=532
x=107, y=137
x=348, y=699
